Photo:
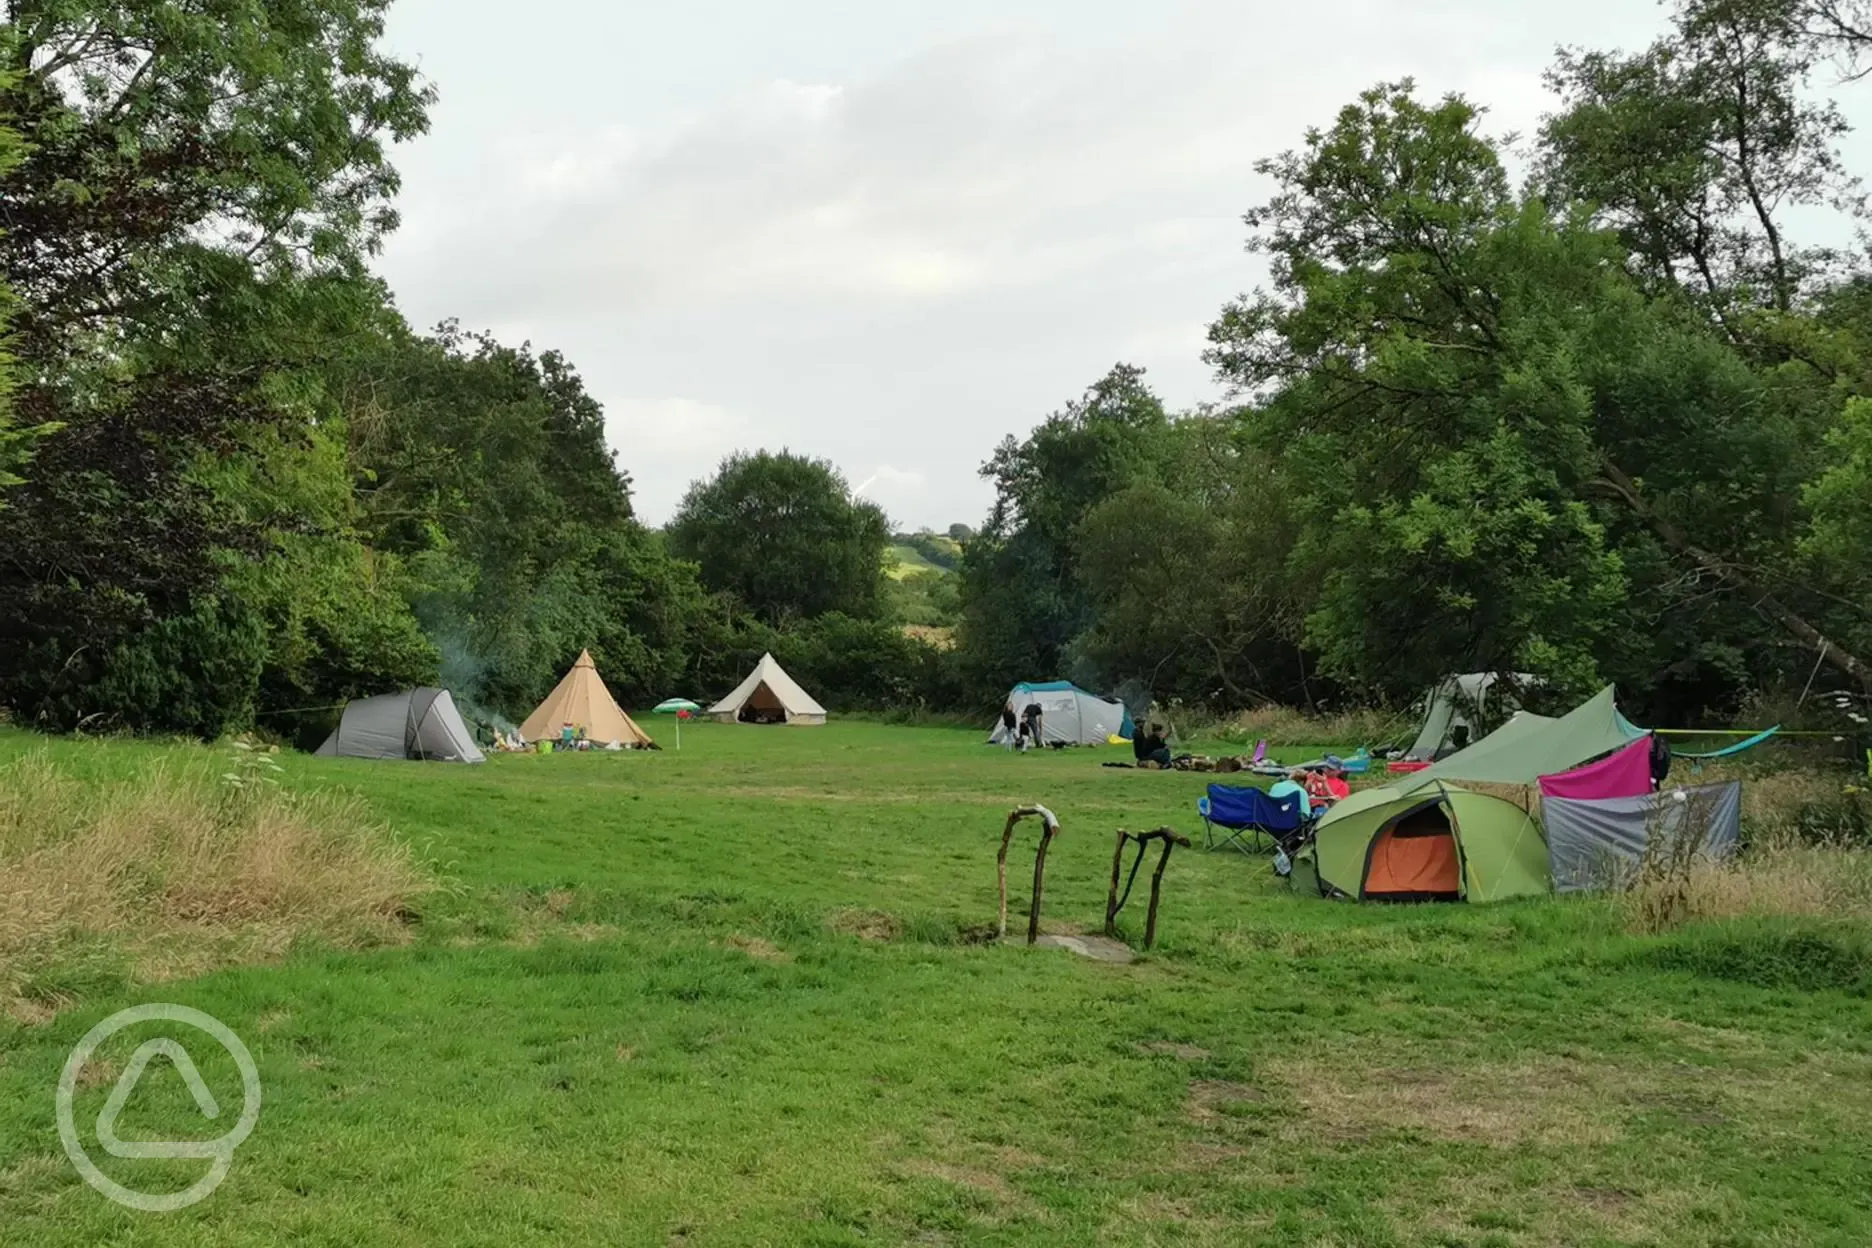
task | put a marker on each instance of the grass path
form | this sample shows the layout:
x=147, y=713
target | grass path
x=725, y=997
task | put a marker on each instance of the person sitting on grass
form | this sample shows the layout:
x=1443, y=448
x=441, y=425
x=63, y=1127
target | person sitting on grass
x=1148, y=746
x=1295, y=783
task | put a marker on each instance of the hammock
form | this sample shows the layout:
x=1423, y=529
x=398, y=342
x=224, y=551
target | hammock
x=1737, y=748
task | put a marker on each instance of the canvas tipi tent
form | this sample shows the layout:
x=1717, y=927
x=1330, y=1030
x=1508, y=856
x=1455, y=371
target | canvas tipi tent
x=582, y=701
x=1068, y=715
x=768, y=696
x=418, y=723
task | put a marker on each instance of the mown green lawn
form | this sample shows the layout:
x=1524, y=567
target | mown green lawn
x=732, y=996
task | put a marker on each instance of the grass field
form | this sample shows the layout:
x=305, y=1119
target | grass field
x=732, y=996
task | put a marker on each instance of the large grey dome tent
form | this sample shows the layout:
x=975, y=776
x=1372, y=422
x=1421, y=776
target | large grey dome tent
x=418, y=723
x=1068, y=715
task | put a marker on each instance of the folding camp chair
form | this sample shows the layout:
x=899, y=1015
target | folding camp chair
x=1243, y=817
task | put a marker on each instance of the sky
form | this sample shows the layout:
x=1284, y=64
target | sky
x=889, y=233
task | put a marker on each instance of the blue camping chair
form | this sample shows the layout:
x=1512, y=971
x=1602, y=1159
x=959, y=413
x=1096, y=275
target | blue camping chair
x=1242, y=817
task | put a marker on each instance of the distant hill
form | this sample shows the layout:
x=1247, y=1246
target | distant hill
x=925, y=592
x=901, y=561
x=923, y=552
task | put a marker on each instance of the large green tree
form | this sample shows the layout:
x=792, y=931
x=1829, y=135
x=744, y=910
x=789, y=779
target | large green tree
x=484, y=469
x=15, y=441
x=202, y=183
x=1414, y=365
x=1700, y=151
x=1509, y=450
x=1696, y=148
x=784, y=536
x=1191, y=599
x=1024, y=600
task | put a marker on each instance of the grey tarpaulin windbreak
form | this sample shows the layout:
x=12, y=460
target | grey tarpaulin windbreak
x=419, y=723
x=1599, y=844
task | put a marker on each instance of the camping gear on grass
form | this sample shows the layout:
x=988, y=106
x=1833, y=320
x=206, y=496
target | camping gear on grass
x=1434, y=843
x=1357, y=765
x=769, y=696
x=581, y=699
x=1068, y=715
x=1242, y=813
x=1423, y=838
x=417, y=723
x=1601, y=843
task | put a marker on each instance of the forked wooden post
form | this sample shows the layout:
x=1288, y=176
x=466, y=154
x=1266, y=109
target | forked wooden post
x=1170, y=840
x=1051, y=829
x=1111, y=898
x=1113, y=903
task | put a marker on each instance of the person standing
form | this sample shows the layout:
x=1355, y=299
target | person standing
x=1010, y=730
x=1031, y=726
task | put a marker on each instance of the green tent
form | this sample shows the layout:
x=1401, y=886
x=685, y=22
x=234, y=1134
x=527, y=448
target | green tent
x=1422, y=838
x=1430, y=842
x=1530, y=746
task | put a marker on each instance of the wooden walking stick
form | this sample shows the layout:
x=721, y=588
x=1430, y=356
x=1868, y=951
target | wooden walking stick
x=1050, y=830
x=1113, y=903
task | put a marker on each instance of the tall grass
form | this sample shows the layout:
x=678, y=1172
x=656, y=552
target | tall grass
x=1807, y=853
x=1286, y=725
x=179, y=868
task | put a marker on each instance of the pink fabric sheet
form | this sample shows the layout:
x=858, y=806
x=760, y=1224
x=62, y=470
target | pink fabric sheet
x=1624, y=774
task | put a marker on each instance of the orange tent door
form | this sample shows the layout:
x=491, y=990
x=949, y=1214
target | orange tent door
x=1415, y=859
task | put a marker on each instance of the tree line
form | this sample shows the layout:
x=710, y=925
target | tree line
x=1613, y=422
x=1610, y=424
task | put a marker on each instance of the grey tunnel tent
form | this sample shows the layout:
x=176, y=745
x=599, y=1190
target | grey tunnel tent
x=1462, y=702
x=418, y=723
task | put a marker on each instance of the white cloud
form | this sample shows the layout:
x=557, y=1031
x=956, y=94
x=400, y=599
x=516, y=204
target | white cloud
x=899, y=261
x=667, y=443
x=896, y=491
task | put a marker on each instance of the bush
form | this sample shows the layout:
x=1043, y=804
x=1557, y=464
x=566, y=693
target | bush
x=1806, y=854
x=867, y=665
x=195, y=674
